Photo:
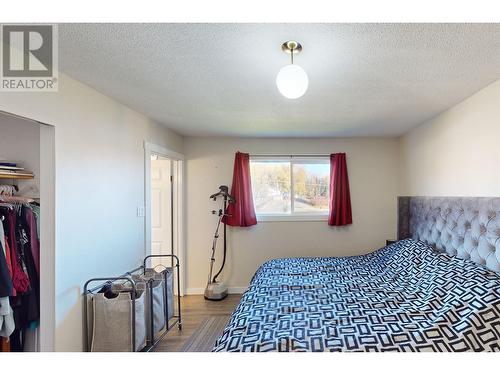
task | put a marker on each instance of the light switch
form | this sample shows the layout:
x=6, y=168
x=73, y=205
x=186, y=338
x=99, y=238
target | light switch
x=140, y=211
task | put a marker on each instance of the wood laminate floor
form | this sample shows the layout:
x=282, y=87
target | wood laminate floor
x=195, y=309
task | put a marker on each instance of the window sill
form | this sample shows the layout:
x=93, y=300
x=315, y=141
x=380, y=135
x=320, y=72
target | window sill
x=296, y=217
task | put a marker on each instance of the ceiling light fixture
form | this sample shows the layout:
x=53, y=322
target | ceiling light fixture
x=292, y=80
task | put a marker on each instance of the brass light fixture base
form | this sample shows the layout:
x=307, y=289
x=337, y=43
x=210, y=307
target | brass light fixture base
x=290, y=46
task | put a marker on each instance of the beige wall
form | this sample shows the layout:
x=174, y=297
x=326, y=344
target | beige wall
x=372, y=165
x=99, y=184
x=458, y=152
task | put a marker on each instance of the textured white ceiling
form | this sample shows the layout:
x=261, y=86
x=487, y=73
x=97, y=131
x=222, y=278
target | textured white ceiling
x=219, y=79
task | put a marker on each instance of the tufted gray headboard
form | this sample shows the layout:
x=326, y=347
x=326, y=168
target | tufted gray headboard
x=467, y=227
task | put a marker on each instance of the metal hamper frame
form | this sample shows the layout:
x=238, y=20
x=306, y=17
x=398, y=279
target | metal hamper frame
x=152, y=342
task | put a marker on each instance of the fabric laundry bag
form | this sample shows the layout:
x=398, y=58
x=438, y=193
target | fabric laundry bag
x=157, y=293
x=112, y=321
x=89, y=300
x=169, y=286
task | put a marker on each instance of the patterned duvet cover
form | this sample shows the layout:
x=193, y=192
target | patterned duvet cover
x=403, y=297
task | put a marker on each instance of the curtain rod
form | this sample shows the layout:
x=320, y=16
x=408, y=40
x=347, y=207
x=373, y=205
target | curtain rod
x=292, y=155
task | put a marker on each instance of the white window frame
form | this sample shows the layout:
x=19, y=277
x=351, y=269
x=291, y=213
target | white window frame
x=292, y=216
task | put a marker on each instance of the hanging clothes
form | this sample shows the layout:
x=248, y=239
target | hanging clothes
x=35, y=207
x=26, y=306
x=2, y=236
x=7, y=324
x=20, y=279
x=6, y=313
x=34, y=242
x=5, y=276
x=5, y=279
x=6, y=251
x=19, y=276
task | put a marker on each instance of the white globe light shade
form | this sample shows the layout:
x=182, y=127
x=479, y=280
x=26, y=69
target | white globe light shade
x=292, y=81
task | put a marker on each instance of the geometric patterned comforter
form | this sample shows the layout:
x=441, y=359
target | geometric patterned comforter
x=403, y=297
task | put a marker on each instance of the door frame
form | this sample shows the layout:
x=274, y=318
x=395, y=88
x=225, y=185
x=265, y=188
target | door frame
x=47, y=232
x=178, y=204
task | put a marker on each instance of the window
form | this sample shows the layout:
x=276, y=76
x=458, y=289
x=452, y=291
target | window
x=290, y=188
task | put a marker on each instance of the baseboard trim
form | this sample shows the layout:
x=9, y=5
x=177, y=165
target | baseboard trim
x=231, y=290
x=194, y=291
x=237, y=289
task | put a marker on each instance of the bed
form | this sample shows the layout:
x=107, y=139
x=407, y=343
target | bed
x=437, y=290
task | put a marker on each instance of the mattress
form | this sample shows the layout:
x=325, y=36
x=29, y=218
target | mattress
x=403, y=297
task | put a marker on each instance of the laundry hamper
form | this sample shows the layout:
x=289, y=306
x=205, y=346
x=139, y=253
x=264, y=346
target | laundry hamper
x=167, y=275
x=159, y=298
x=113, y=320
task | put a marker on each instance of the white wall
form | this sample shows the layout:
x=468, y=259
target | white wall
x=20, y=142
x=458, y=152
x=373, y=175
x=99, y=184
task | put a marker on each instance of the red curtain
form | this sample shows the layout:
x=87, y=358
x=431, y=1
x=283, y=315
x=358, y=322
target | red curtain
x=241, y=213
x=340, y=198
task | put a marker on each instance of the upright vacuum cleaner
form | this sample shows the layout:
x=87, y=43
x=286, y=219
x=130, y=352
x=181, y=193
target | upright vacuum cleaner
x=215, y=290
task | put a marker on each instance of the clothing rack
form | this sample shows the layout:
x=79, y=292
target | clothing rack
x=127, y=277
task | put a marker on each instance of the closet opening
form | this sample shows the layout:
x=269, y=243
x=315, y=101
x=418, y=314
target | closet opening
x=27, y=234
x=164, y=206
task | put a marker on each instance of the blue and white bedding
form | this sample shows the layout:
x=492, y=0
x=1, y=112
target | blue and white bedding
x=403, y=297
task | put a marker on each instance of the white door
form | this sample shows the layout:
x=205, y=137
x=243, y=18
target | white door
x=161, y=209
